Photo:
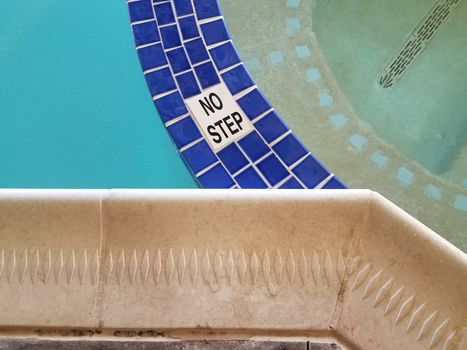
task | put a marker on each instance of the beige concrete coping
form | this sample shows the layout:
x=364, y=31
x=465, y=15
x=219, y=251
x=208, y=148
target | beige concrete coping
x=343, y=264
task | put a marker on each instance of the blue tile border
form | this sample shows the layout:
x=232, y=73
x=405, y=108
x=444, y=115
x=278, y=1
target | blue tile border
x=184, y=48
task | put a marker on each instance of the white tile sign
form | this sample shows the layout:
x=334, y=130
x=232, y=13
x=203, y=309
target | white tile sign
x=219, y=116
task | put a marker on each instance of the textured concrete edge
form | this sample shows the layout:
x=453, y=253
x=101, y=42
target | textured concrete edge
x=368, y=240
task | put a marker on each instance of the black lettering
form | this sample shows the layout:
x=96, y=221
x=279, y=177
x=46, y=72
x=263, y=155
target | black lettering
x=216, y=136
x=230, y=124
x=219, y=124
x=206, y=105
x=238, y=119
x=219, y=104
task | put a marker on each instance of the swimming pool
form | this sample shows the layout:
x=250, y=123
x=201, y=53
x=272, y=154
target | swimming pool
x=408, y=141
x=72, y=79
x=75, y=112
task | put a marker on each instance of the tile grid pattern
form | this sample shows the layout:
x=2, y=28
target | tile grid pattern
x=184, y=47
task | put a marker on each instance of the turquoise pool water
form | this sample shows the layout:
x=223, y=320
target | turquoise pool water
x=74, y=107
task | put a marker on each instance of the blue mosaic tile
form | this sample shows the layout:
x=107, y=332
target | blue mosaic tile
x=249, y=178
x=254, y=146
x=290, y=149
x=160, y=81
x=140, y=10
x=188, y=85
x=291, y=184
x=271, y=126
x=224, y=56
x=184, y=131
x=207, y=8
x=170, y=37
x=145, y=33
x=237, y=79
x=164, y=13
x=207, y=75
x=334, y=184
x=178, y=60
x=199, y=156
x=183, y=7
x=232, y=158
x=170, y=106
x=151, y=56
x=196, y=51
x=272, y=169
x=310, y=171
x=188, y=27
x=254, y=104
x=215, y=32
x=217, y=177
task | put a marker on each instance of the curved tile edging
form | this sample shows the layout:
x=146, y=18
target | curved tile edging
x=186, y=54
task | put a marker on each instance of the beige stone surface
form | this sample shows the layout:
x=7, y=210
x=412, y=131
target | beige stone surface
x=48, y=240
x=346, y=264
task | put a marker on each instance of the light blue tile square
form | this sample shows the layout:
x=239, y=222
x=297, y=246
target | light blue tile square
x=293, y=24
x=253, y=64
x=405, y=176
x=293, y=3
x=338, y=120
x=460, y=202
x=433, y=192
x=325, y=98
x=276, y=57
x=358, y=141
x=302, y=51
x=379, y=159
x=313, y=75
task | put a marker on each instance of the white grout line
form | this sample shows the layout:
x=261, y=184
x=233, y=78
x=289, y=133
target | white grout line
x=142, y=21
x=222, y=71
x=324, y=182
x=283, y=181
x=242, y=93
x=241, y=169
x=255, y=167
x=173, y=48
x=293, y=165
x=205, y=170
x=186, y=16
x=220, y=43
x=279, y=138
x=150, y=70
x=208, y=20
x=147, y=45
x=168, y=25
x=191, y=144
x=200, y=63
x=191, y=39
x=155, y=97
x=176, y=119
x=254, y=120
x=260, y=159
